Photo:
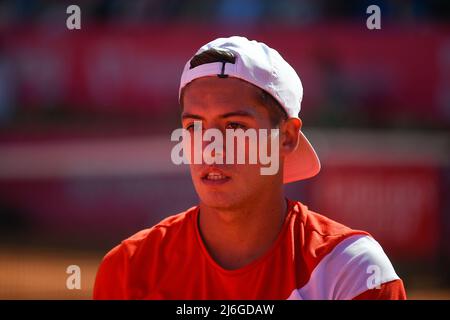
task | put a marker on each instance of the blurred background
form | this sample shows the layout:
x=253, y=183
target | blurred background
x=86, y=117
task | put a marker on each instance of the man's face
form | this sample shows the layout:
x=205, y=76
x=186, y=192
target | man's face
x=228, y=103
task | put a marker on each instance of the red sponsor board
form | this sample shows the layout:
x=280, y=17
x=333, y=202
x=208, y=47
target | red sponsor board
x=398, y=205
x=136, y=69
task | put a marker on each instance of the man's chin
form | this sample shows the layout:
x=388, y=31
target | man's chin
x=219, y=201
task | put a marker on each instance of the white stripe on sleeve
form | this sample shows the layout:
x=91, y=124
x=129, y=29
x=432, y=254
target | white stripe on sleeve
x=354, y=266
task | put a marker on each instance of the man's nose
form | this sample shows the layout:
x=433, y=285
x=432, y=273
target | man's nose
x=213, y=145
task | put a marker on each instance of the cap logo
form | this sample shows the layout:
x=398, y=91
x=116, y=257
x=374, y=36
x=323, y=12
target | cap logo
x=222, y=72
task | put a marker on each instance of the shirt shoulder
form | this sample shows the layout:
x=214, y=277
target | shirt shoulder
x=122, y=265
x=321, y=225
x=341, y=263
x=162, y=233
x=317, y=234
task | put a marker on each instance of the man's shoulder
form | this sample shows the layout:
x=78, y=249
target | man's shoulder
x=320, y=234
x=164, y=231
x=352, y=256
x=356, y=265
x=321, y=224
x=134, y=256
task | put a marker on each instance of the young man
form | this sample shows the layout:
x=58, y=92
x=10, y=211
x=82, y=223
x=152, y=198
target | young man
x=245, y=240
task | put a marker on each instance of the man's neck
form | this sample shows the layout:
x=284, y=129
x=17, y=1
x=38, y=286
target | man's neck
x=236, y=237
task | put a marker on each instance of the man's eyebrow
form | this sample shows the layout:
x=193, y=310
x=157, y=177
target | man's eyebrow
x=240, y=113
x=187, y=115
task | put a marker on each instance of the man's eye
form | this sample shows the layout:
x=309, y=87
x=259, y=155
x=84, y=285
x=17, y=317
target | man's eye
x=235, y=125
x=193, y=127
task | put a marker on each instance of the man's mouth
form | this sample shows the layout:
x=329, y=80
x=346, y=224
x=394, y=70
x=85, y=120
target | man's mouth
x=215, y=177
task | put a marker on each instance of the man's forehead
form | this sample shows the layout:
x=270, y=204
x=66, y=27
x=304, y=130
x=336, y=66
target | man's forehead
x=221, y=90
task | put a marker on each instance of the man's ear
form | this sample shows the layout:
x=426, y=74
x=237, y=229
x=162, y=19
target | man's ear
x=289, y=135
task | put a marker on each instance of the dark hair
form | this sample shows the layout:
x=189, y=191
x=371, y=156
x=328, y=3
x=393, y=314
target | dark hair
x=276, y=111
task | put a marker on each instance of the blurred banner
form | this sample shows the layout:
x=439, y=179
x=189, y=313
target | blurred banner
x=400, y=205
x=136, y=69
x=100, y=192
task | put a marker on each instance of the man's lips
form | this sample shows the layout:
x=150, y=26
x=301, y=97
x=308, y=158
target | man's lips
x=214, y=175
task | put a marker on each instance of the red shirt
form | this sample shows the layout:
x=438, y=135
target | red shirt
x=313, y=258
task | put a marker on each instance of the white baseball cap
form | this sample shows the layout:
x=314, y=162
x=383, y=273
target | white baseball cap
x=263, y=67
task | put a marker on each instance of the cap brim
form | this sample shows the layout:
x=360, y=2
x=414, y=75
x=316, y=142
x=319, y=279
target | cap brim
x=303, y=163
